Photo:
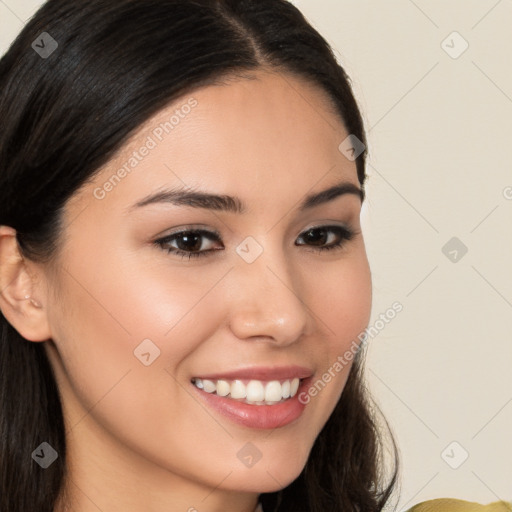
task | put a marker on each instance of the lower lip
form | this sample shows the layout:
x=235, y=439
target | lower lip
x=257, y=416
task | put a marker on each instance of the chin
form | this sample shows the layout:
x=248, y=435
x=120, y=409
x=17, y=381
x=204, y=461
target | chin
x=270, y=477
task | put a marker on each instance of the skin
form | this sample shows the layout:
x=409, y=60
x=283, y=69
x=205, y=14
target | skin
x=137, y=438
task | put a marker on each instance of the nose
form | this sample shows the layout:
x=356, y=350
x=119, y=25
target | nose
x=265, y=300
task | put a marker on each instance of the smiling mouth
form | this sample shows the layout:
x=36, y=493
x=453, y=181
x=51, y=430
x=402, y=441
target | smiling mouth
x=255, y=392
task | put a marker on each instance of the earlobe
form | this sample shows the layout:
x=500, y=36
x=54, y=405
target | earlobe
x=18, y=302
x=36, y=303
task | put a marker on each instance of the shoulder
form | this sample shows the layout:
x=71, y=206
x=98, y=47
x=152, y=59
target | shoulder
x=453, y=505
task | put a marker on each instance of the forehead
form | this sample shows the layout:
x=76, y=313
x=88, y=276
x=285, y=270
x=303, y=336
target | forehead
x=271, y=130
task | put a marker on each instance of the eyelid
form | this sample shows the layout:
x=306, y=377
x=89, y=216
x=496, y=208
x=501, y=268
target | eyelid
x=329, y=224
x=212, y=232
x=344, y=234
x=195, y=228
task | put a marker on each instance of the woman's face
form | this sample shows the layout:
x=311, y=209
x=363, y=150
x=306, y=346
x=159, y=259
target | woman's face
x=133, y=322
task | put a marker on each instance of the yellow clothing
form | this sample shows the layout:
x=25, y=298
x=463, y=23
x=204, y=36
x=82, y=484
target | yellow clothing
x=452, y=505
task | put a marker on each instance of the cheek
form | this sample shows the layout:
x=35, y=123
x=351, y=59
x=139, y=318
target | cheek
x=340, y=295
x=107, y=316
x=341, y=300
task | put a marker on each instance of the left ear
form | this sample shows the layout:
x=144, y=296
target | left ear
x=21, y=302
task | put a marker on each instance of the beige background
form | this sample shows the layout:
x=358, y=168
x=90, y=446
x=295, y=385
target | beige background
x=440, y=167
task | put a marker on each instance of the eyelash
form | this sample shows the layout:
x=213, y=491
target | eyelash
x=344, y=234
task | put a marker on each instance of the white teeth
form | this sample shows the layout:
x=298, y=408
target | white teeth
x=223, y=388
x=285, y=388
x=238, y=389
x=273, y=391
x=294, y=386
x=209, y=386
x=255, y=392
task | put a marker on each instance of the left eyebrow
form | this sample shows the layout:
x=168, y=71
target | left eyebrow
x=232, y=204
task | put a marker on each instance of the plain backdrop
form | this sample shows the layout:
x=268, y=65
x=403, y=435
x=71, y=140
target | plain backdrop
x=434, y=82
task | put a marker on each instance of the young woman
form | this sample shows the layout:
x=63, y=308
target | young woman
x=184, y=283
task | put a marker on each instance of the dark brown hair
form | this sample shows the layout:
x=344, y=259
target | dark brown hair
x=112, y=66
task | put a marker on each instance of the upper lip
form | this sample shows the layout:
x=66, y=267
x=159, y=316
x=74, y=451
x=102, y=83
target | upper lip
x=262, y=373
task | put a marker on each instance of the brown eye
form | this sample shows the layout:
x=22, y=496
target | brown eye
x=320, y=236
x=189, y=242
